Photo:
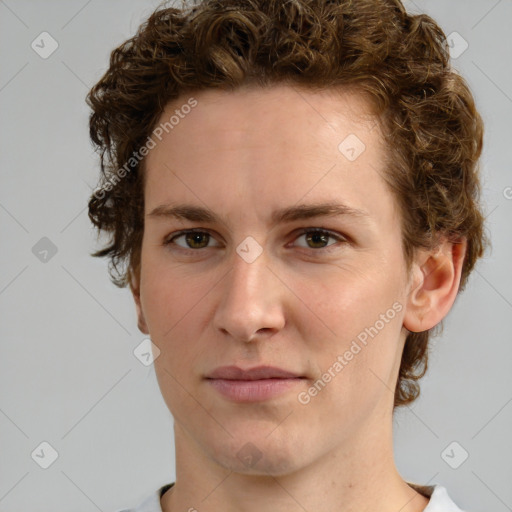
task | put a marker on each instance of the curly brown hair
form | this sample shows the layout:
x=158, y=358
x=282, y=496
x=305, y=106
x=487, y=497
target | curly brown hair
x=399, y=61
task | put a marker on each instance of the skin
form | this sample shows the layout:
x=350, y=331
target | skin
x=297, y=306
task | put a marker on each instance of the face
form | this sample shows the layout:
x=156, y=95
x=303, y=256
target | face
x=243, y=264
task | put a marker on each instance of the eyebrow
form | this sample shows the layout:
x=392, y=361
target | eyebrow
x=288, y=214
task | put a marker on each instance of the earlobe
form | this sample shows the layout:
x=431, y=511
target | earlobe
x=135, y=289
x=434, y=286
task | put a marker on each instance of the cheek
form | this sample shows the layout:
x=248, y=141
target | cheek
x=342, y=302
x=352, y=321
x=168, y=294
x=173, y=310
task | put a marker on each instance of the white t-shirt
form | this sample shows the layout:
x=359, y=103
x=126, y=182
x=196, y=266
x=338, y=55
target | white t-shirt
x=439, y=500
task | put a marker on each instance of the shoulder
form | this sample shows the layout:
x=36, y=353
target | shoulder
x=151, y=503
x=440, y=500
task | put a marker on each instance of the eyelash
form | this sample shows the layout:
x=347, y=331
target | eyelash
x=338, y=237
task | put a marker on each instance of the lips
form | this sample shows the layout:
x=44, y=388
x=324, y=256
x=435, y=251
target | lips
x=254, y=384
x=257, y=373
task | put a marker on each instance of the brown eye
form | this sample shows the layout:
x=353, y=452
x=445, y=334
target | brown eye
x=197, y=240
x=191, y=240
x=319, y=238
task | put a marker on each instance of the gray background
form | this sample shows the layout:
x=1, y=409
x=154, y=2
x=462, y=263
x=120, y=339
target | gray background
x=68, y=375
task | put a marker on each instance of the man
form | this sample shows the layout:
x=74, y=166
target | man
x=293, y=188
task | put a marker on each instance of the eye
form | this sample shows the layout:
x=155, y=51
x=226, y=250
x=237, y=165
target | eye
x=316, y=238
x=191, y=239
x=195, y=239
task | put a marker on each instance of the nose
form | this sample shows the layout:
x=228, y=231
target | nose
x=251, y=303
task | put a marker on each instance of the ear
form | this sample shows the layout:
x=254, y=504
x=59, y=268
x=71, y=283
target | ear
x=434, y=283
x=135, y=289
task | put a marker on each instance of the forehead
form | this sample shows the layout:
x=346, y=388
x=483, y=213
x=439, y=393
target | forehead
x=247, y=111
x=273, y=145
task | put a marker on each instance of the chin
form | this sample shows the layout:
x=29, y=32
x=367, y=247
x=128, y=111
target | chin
x=259, y=455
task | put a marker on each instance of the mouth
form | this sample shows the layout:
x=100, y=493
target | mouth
x=253, y=385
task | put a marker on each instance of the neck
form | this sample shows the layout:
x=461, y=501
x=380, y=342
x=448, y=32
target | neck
x=357, y=475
